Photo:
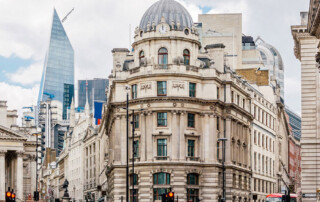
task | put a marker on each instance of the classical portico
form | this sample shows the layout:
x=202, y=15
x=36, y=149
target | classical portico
x=16, y=164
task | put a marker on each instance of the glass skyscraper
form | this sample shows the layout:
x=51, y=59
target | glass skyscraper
x=58, y=69
x=96, y=91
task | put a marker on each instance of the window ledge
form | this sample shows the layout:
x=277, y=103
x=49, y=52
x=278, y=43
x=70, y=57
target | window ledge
x=192, y=158
x=162, y=158
x=136, y=159
x=161, y=134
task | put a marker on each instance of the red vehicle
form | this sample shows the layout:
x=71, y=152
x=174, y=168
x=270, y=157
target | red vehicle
x=278, y=197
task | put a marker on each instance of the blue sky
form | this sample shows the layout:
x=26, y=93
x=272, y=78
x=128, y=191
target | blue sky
x=11, y=65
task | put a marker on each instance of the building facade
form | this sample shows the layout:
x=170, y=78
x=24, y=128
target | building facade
x=17, y=155
x=306, y=42
x=190, y=106
x=58, y=68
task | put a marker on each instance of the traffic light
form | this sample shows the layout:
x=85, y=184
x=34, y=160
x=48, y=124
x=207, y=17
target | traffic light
x=36, y=195
x=13, y=197
x=8, y=196
x=170, y=197
x=164, y=197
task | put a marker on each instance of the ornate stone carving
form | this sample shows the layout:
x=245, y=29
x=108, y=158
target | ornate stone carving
x=20, y=153
x=3, y=152
x=145, y=86
x=178, y=85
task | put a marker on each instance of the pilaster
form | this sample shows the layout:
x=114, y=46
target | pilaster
x=2, y=175
x=182, y=138
x=19, y=190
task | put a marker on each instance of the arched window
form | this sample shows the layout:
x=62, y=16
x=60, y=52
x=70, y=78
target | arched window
x=193, y=190
x=134, y=192
x=141, y=55
x=186, y=57
x=193, y=179
x=162, y=180
x=163, y=56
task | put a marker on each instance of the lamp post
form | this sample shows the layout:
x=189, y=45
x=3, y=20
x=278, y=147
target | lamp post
x=223, y=140
x=127, y=168
x=37, y=146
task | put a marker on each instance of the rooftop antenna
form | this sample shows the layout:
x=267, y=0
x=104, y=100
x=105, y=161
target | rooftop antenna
x=65, y=18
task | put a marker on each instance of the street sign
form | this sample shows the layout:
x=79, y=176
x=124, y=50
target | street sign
x=309, y=195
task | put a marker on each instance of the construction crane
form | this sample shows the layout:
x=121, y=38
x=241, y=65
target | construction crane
x=51, y=96
x=65, y=18
x=28, y=118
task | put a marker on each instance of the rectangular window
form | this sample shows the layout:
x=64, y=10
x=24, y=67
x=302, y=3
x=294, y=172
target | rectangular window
x=162, y=119
x=234, y=180
x=240, y=182
x=162, y=147
x=136, y=121
x=192, y=90
x=134, y=195
x=162, y=88
x=218, y=123
x=243, y=103
x=191, y=148
x=134, y=91
x=192, y=194
x=232, y=96
x=191, y=120
x=238, y=99
x=136, y=148
x=218, y=93
x=255, y=137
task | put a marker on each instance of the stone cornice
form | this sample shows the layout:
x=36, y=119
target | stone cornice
x=166, y=38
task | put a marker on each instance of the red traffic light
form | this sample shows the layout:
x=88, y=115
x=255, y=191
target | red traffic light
x=171, y=194
x=8, y=194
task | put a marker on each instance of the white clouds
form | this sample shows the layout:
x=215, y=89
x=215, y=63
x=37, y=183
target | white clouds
x=96, y=27
x=27, y=75
x=17, y=96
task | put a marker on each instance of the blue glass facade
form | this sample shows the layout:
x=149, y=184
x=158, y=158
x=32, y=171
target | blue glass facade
x=96, y=91
x=58, y=68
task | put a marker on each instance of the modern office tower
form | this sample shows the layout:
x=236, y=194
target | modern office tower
x=58, y=69
x=96, y=91
x=272, y=60
x=68, y=95
x=295, y=123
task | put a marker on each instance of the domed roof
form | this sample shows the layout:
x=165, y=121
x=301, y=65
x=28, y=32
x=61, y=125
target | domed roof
x=170, y=10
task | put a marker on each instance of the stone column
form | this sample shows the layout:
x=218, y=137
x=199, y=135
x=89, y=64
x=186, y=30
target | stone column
x=213, y=120
x=175, y=137
x=211, y=143
x=182, y=138
x=143, y=138
x=206, y=137
x=117, y=139
x=19, y=188
x=2, y=175
x=228, y=142
x=149, y=131
x=33, y=173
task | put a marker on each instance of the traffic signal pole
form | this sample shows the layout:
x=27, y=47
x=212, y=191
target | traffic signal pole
x=36, y=198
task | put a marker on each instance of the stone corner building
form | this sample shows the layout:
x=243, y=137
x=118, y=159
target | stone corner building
x=306, y=38
x=188, y=103
x=17, y=155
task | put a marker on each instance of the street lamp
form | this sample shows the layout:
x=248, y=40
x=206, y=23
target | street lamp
x=36, y=195
x=127, y=168
x=133, y=152
x=223, y=140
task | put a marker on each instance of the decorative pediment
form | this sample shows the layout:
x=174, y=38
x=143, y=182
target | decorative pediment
x=8, y=134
